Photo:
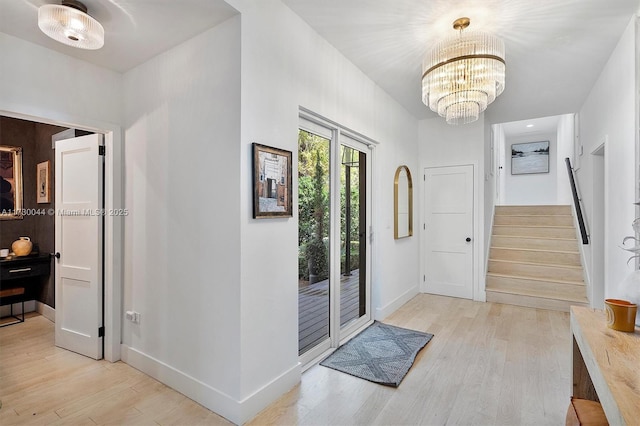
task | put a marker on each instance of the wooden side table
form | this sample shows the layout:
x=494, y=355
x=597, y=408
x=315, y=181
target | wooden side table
x=606, y=365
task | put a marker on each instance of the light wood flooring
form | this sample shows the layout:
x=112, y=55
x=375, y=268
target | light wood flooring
x=488, y=364
x=42, y=384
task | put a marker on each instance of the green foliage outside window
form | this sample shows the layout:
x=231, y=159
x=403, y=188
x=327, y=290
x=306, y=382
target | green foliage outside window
x=314, y=210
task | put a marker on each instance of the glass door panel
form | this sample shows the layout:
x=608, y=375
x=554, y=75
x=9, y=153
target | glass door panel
x=314, y=269
x=353, y=243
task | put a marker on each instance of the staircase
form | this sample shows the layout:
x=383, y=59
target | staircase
x=534, y=259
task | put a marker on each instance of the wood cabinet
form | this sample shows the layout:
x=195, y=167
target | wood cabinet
x=23, y=272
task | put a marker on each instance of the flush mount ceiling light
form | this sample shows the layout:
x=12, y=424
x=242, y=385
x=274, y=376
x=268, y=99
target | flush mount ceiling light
x=70, y=24
x=463, y=74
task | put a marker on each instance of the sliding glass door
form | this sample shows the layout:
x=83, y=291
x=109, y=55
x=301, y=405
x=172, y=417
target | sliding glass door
x=333, y=244
x=353, y=232
x=314, y=216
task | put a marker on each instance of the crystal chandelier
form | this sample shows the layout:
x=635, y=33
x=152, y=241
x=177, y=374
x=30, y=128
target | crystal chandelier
x=463, y=74
x=69, y=23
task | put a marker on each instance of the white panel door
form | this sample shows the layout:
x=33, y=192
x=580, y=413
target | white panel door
x=448, y=262
x=78, y=235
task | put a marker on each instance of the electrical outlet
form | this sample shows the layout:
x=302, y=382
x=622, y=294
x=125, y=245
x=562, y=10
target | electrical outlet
x=133, y=316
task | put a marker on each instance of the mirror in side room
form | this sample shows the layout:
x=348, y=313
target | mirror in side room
x=403, y=203
x=10, y=182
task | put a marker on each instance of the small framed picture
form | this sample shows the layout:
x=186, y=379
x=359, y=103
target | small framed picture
x=271, y=182
x=530, y=157
x=43, y=190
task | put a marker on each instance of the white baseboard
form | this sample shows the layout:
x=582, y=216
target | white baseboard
x=266, y=395
x=238, y=412
x=385, y=311
x=46, y=311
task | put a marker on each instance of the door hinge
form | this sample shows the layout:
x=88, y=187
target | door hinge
x=101, y=332
x=424, y=278
x=101, y=150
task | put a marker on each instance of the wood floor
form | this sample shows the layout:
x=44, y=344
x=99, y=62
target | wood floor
x=488, y=364
x=41, y=384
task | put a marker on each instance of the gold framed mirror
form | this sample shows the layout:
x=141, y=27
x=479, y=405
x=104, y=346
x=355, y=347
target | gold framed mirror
x=403, y=203
x=10, y=182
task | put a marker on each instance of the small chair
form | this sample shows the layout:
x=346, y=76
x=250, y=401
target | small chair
x=582, y=412
x=10, y=294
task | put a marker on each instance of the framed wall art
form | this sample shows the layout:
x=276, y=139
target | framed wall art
x=530, y=157
x=10, y=182
x=43, y=182
x=271, y=182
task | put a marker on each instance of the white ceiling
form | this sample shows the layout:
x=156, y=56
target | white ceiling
x=135, y=30
x=555, y=48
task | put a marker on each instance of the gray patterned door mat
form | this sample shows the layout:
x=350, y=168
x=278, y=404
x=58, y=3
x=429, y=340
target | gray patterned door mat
x=381, y=353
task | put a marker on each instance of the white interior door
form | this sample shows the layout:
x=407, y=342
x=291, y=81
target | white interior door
x=78, y=235
x=448, y=262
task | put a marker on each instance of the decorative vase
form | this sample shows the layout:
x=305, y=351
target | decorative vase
x=22, y=246
x=629, y=289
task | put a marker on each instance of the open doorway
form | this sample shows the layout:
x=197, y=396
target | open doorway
x=32, y=220
x=112, y=242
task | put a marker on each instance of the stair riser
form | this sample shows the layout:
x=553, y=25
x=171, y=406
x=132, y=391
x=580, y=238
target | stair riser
x=534, y=220
x=536, y=271
x=534, y=243
x=546, y=257
x=531, y=302
x=541, y=288
x=543, y=210
x=534, y=232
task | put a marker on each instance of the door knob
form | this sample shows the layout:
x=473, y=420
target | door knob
x=56, y=255
x=468, y=239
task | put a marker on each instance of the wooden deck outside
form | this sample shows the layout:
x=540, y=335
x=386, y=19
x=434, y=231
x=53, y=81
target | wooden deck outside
x=313, y=309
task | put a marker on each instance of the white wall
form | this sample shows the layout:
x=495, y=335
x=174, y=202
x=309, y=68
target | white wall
x=565, y=148
x=492, y=136
x=501, y=159
x=444, y=145
x=43, y=83
x=531, y=189
x=182, y=236
x=609, y=113
x=285, y=65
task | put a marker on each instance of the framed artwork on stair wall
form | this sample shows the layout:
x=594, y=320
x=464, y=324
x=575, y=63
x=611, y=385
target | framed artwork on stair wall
x=530, y=157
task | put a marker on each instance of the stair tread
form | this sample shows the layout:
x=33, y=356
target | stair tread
x=533, y=226
x=537, y=215
x=529, y=237
x=537, y=235
x=536, y=250
x=524, y=292
x=524, y=277
x=554, y=265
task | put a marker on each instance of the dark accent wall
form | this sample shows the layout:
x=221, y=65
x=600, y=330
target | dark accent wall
x=35, y=140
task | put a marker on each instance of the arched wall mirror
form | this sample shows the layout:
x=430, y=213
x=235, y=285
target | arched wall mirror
x=403, y=203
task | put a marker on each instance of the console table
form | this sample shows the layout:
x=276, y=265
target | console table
x=24, y=267
x=18, y=277
x=606, y=365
